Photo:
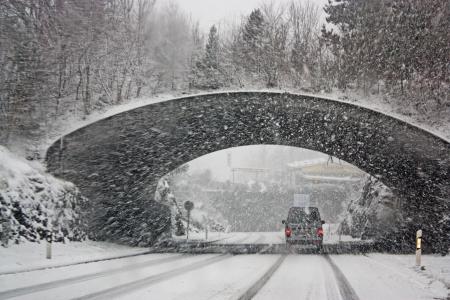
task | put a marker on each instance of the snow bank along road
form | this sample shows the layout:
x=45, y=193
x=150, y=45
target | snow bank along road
x=223, y=276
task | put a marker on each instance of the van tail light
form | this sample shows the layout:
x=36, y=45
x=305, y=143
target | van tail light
x=288, y=231
x=320, y=231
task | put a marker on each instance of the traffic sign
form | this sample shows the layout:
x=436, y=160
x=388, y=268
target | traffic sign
x=301, y=200
x=188, y=205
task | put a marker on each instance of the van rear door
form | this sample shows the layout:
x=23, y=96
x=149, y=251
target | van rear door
x=304, y=222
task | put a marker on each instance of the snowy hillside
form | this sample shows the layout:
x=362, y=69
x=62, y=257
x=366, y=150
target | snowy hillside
x=33, y=203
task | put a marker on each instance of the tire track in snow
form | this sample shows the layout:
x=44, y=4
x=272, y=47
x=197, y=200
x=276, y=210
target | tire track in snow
x=147, y=281
x=72, y=280
x=254, y=289
x=345, y=288
x=330, y=281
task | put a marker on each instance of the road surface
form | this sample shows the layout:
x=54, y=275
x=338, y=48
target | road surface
x=330, y=236
x=224, y=276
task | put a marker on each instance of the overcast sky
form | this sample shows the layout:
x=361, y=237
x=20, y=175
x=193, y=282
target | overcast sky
x=209, y=12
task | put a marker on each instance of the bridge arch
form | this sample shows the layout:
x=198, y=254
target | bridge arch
x=117, y=160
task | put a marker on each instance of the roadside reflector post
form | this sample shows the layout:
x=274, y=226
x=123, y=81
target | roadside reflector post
x=418, y=247
x=49, y=246
x=188, y=221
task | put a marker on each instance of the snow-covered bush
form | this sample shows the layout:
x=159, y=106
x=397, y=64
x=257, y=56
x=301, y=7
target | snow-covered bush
x=200, y=216
x=373, y=214
x=33, y=203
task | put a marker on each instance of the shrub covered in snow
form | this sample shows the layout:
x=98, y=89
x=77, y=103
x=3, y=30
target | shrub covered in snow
x=33, y=203
x=373, y=214
x=200, y=216
x=379, y=214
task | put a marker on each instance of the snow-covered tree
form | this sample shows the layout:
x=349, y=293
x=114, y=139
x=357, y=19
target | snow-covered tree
x=208, y=70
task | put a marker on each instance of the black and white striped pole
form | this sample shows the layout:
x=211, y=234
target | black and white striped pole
x=418, y=247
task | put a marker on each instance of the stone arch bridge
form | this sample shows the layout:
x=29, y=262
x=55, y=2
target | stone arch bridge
x=117, y=161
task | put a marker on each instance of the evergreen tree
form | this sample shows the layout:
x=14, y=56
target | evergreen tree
x=212, y=49
x=251, y=47
x=208, y=71
x=196, y=56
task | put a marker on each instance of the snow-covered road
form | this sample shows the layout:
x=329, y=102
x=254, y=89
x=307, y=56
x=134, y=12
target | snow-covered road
x=330, y=236
x=215, y=276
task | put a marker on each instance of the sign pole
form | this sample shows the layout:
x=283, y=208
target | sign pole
x=188, y=205
x=418, y=247
x=187, y=231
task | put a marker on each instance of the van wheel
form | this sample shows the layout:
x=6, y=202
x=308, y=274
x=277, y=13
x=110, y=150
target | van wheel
x=288, y=246
x=320, y=248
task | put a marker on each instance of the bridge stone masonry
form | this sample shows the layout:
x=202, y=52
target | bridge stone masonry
x=117, y=162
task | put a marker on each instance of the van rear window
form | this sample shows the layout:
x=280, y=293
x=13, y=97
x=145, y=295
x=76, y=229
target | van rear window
x=303, y=215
